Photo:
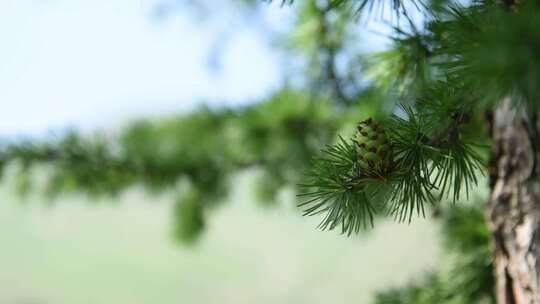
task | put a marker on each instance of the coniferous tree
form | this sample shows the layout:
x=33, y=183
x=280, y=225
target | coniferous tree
x=466, y=62
x=423, y=141
x=467, y=248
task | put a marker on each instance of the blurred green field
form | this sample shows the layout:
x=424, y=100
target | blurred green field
x=122, y=252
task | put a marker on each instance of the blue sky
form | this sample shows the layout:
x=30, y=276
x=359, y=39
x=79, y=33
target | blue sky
x=89, y=64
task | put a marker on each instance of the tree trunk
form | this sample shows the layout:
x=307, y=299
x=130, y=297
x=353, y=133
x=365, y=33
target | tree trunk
x=513, y=210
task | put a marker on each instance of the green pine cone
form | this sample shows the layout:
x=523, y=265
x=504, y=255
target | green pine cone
x=373, y=148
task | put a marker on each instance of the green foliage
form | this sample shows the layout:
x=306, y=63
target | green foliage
x=203, y=149
x=430, y=290
x=482, y=52
x=405, y=67
x=423, y=162
x=444, y=69
x=324, y=36
x=414, y=165
x=334, y=187
x=469, y=278
x=463, y=60
x=373, y=7
x=267, y=187
x=467, y=236
x=448, y=72
x=495, y=58
x=190, y=219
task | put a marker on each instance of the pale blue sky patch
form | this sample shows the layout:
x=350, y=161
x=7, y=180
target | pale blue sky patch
x=89, y=64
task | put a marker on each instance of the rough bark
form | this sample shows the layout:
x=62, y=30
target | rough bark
x=513, y=211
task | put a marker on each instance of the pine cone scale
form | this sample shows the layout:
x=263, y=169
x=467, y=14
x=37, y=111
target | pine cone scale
x=373, y=149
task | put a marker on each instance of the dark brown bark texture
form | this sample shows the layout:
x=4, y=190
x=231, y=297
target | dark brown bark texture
x=513, y=210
